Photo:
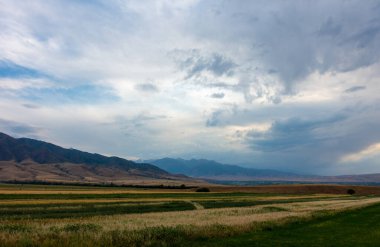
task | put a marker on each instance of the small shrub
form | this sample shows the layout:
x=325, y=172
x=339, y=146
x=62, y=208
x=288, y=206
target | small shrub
x=350, y=191
x=203, y=189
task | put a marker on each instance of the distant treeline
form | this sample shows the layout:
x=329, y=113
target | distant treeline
x=159, y=186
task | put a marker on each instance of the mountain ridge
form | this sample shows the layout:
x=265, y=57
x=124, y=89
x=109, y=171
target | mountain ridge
x=215, y=171
x=204, y=167
x=29, y=159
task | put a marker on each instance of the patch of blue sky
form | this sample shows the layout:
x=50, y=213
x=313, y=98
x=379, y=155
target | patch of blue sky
x=8, y=69
x=83, y=94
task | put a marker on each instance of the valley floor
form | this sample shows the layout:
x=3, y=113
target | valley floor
x=76, y=216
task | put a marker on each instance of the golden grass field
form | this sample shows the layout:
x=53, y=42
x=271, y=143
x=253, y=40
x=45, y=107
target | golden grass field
x=35, y=215
x=239, y=217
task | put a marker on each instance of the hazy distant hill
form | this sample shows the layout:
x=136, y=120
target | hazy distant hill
x=29, y=159
x=208, y=169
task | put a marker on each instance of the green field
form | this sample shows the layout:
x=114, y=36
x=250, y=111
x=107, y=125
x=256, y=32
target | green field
x=353, y=228
x=9, y=211
x=33, y=215
x=129, y=196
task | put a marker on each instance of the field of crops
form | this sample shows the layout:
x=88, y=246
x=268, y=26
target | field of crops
x=36, y=215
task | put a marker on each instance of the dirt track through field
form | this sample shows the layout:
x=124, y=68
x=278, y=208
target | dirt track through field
x=196, y=205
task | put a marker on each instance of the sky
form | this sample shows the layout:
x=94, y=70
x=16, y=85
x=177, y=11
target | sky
x=287, y=85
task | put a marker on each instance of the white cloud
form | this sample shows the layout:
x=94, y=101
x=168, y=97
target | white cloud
x=19, y=84
x=266, y=62
x=366, y=153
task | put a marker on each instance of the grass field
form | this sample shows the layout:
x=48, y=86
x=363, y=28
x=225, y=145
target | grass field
x=36, y=215
x=359, y=227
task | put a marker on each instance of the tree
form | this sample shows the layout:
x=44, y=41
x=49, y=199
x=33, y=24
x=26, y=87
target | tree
x=203, y=189
x=350, y=191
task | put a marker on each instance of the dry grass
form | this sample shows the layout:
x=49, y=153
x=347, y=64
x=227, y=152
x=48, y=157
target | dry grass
x=203, y=217
x=142, y=229
x=228, y=216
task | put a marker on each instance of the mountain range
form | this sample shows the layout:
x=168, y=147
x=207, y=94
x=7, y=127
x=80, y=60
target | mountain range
x=30, y=160
x=203, y=168
x=214, y=171
x=24, y=159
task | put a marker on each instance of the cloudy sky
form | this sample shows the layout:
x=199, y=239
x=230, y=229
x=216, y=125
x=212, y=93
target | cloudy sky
x=290, y=85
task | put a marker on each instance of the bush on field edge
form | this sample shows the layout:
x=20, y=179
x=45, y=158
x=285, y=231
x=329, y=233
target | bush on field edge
x=202, y=189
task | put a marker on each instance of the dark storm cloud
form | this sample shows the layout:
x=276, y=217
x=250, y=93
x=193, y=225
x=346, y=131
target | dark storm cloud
x=291, y=133
x=365, y=37
x=295, y=38
x=303, y=137
x=330, y=28
x=315, y=144
x=355, y=89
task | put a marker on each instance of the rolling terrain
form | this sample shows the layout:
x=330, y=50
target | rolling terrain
x=26, y=159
